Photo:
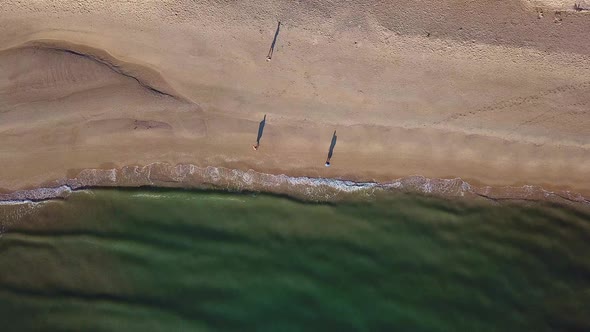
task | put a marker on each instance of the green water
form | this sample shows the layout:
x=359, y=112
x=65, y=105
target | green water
x=113, y=260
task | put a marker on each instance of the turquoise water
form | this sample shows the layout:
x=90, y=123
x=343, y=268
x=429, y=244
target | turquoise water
x=158, y=260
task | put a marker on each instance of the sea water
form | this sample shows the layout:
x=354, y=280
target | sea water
x=169, y=260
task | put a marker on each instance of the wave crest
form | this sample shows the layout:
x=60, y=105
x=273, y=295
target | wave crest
x=307, y=188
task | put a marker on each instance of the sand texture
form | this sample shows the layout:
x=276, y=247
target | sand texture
x=495, y=93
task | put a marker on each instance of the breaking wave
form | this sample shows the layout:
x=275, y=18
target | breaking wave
x=305, y=188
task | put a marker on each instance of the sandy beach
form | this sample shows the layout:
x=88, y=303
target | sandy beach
x=494, y=94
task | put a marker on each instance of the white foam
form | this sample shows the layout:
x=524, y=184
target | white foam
x=17, y=202
x=192, y=176
x=37, y=194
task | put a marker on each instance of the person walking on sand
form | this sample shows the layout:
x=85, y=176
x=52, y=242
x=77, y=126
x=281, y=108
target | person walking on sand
x=274, y=41
x=331, y=151
x=260, y=131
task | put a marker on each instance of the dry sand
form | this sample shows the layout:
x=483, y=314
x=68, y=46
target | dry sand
x=495, y=93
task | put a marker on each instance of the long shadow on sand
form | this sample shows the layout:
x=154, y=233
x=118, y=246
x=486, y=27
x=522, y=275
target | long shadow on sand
x=274, y=41
x=332, y=145
x=260, y=131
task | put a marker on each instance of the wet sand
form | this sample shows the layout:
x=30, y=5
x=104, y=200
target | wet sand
x=494, y=95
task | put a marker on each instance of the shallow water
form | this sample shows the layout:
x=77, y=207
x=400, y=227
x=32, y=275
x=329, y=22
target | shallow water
x=163, y=260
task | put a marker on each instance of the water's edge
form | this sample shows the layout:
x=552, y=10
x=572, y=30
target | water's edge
x=189, y=176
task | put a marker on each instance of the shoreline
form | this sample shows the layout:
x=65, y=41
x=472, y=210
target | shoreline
x=308, y=189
